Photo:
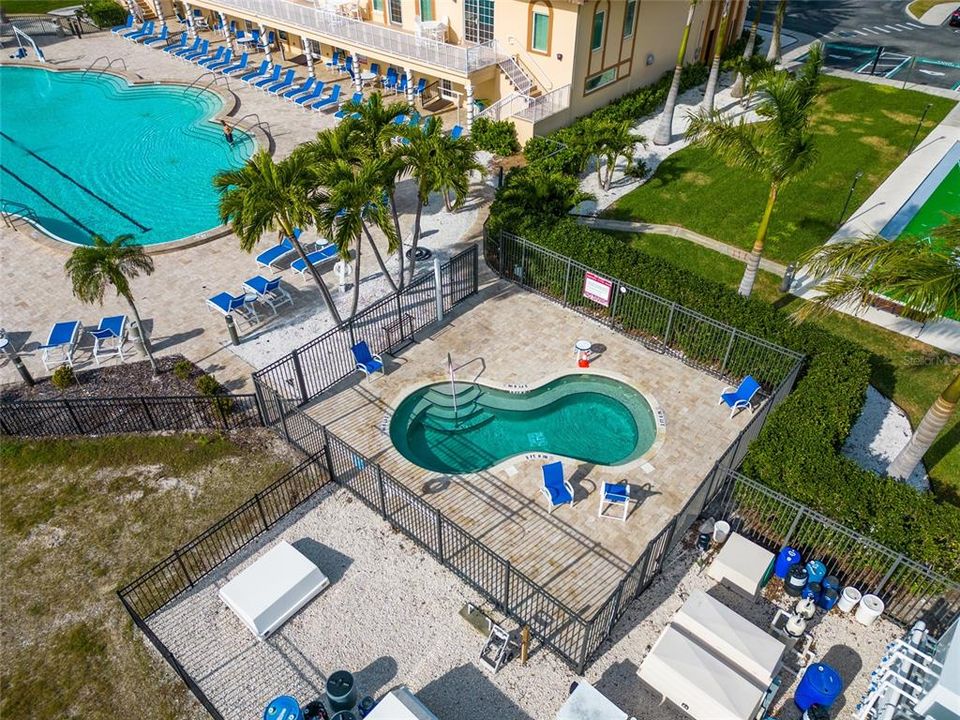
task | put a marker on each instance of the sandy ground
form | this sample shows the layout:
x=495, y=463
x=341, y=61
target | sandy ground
x=403, y=627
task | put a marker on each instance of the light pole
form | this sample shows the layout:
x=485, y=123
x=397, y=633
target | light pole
x=853, y=186
x=916, y=132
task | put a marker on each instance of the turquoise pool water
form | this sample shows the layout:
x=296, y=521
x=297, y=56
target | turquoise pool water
x=92, y=154
x=585, y=417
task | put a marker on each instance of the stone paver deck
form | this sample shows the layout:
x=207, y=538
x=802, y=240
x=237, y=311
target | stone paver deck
x=523, y=339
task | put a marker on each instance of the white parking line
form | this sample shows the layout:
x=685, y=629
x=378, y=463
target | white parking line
x=859, y=33
x=877, y=27
x=903, y=27
x=872, y=32
x=892, y=28
x=914, y=25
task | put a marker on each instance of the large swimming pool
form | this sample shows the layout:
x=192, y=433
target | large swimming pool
x=92, y=154
x=584, y=417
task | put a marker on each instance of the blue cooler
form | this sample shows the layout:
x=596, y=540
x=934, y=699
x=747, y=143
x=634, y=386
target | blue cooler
x=820, y=685
x=785, y=560
x=283, y=707
x=816, y=571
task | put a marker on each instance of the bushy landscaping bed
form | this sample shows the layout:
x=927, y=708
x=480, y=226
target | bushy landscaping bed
x=798, y=451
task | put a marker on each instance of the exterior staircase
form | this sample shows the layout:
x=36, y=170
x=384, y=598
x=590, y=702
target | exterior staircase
x=146, y=11
x=453, y=409
x=518, y=77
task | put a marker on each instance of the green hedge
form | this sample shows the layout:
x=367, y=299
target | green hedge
x=105, y=13
x=496, y=136
x=797, y=453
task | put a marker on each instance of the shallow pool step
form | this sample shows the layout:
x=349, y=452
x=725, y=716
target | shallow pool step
x=442, y=412
x=449, y=425
x=443, y=396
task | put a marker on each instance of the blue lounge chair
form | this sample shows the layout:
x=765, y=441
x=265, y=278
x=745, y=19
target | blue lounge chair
x=227, y=304
x=181, y=20
x=615, y=494
x=300, y=89
x=223, y=62
x=126, y=26
x=63, y=338
x=456, y=132
x=208, y=59
x=237, y=67
x=348, y=107
x=390, y=79
x=268, y=292
x=182, y=45
x=109, y=337
x=375, y=68
x=740, y=397
x=401, y=86
x=198, y=53
x=285, y=82
x=555, y=488
x=259, y=72
x=348, y=66
x=331, y=99
x=131, y=34
x=317, y=258
x=400, y=120
x=367, y=362
x=264, y=43
x=160, y=37
x=269, y=257
x=269, y=79
x=334, y=62
x=197, y=43
x=317, y=91
x=421, y=86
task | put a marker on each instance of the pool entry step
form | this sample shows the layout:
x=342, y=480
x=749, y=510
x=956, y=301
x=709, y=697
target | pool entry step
x=453, y=408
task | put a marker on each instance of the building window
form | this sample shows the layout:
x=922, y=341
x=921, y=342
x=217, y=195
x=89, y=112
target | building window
x=598, y=81
x=596, y=40
x=630, y=14
x=378, y=5
x=478, y=20
x=540, y=30
x=396, y=13
x=426, y=10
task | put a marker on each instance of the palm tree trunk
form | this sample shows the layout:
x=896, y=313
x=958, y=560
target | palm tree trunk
x=773, y=52
x=928, y=429
x=396, y=225
x=143, y=336
x=739, y=84
x=376, y=253
x=321, y=285
x=665, y=128
x=753, y=263
x=416, y=237
x=711, y=90
x=356, y=282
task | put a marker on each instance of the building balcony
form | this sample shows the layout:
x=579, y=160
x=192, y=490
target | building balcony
x=338, y=29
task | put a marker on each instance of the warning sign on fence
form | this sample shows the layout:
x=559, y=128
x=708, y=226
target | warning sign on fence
x=597, y=289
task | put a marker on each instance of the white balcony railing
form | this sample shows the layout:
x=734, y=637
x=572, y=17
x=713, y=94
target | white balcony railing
x=531, y=109
x=351, y=31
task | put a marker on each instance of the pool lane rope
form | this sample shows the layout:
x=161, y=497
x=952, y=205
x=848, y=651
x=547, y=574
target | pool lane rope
x=88, y=191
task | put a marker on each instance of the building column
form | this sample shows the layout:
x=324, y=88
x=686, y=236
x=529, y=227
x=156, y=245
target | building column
x=158, y=9
x=264, y=35
x=409, y=87
x=468, y=86
x=224, y=26
x=188, y=14
x=308, y=53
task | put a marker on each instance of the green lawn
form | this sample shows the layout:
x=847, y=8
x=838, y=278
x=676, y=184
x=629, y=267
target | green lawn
x=910, y=372
x=34, y=7
x=80, y=518
x=858, y=126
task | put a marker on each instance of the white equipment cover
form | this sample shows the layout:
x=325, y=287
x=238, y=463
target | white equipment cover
x=401, y=704
x=588, y=703
x=741, y=643
x=711, y=662
x=742, y=564
x=272, y=589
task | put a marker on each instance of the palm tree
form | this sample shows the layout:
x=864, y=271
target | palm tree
x=711, y=91
x=921, y=273
x=91, y=268
x=778, y=149
x=773, y=52
x=739, y=85
x=266, y=196
x=530, y=192
x=665, y=129
x=437, y=163
x=350, y=197
x=609, y=141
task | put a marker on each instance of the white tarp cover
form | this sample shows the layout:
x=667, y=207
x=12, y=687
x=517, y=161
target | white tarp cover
x=266, y=594
x=741, y=563
x=699, y=682
x=588, y=703
x=739, y=641
x=401, y=704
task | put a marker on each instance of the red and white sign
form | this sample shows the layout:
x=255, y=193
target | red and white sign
x=597, y=289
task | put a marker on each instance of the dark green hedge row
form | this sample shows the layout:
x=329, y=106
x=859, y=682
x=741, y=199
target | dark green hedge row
x=495, y=136
x=797, y=453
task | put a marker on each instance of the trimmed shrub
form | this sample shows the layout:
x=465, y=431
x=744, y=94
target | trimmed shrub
x=183, y=369
x=798, y=451
x=208, y=385
x=495, y=136
x=63, y=377
x=105, y=13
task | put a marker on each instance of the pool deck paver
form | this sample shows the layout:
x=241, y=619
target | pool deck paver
x=523, y=339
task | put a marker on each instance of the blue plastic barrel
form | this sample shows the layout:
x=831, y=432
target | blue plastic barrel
x=831, y=582
x=816, y=571
x=785, y=560
x=283, y=707
x=820, y=685
x=812, y=590
x=828, y=598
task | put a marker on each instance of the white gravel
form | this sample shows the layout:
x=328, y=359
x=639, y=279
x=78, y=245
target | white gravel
x=391, y=617
x=882, y=431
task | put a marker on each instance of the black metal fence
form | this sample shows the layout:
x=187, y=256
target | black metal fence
x=909, y=590
x=104, y=416
x=659, y=324
x=33, y=25
x=386, y=325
